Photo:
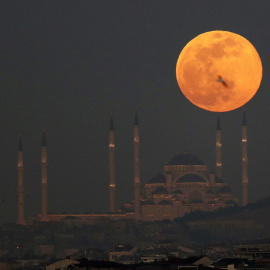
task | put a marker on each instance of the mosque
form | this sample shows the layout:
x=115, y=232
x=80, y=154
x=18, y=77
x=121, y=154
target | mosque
x=185, y=185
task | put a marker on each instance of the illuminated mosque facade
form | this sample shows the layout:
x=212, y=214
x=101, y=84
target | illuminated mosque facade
x=185, y=185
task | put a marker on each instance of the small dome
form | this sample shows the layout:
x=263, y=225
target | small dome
x=160, y=190
x=190, y=178
x=185, y=159
x=159, y=178
x=165, y=202
x=225, y=190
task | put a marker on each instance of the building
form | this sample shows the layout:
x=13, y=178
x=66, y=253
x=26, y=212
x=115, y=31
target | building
x=255, y=251
x=185, y=185
x=120, y=251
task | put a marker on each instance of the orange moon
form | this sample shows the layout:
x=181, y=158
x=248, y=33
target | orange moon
x=219, y=71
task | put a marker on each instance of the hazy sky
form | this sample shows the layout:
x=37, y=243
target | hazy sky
x=66, y=65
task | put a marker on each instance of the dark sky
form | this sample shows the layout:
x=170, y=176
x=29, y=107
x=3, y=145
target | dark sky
x=66, y=65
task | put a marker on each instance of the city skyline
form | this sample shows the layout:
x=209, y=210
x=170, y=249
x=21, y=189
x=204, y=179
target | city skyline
x=67, y=66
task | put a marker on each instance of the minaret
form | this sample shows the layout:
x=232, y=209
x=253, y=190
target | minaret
x=218, y=150
x=244, y=162
x=112, y=166
x=21, y=219
x=44, y=183
x=137, y=206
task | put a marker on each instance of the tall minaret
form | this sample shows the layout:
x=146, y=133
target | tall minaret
x=112, y=166
x=137, y=206
x=218, y=150
x=21, y=219
x=44, y=183
x=244, y=162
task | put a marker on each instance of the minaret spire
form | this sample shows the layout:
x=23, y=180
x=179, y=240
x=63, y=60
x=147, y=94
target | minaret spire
x=137, y=179
x=112, y=166
x=111, y=123
x=21, y=219
x=43, y=144
x=244, y=161
x=136, y=121
x=218, y=150
x=44, y=183
x=244, y=121
x=20, y=148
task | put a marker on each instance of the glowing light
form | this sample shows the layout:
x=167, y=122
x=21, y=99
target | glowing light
x=111, y=145
x=112, y=185
x=219, y=71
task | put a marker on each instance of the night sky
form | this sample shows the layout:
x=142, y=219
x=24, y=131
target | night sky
x=66, y=65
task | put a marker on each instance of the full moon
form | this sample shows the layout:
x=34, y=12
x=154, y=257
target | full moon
x=219, y=71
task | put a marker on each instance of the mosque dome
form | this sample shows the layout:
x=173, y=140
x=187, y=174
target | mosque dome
x=190, y=178
x=185, y=159
x=159, y=178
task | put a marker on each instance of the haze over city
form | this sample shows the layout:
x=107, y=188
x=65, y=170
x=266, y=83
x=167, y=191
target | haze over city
x=67, y=65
